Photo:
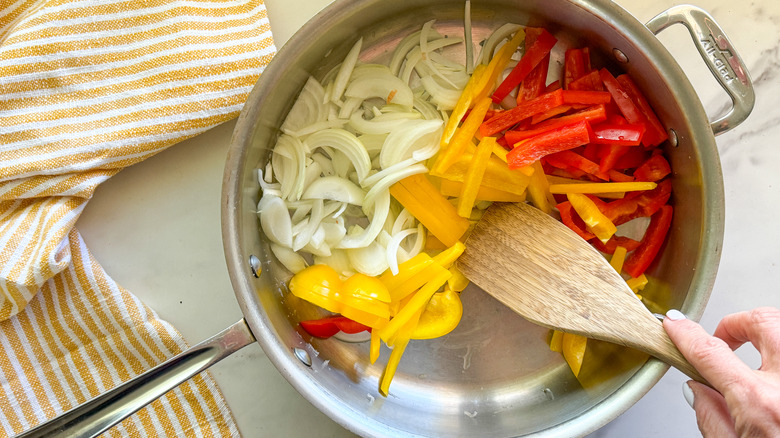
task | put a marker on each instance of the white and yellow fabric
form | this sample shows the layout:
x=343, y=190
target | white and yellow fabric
x=88, y=87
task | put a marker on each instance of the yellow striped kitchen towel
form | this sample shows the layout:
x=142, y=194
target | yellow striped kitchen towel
x=88, y=87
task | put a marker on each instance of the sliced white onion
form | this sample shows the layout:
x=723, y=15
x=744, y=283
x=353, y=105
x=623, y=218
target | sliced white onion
x=381, y=124
x=383, y=85
x=376, y=221
x=346, y=143
x=401, y=143
x=402, y=49
x=289, y=163
x=291, y=260
x=275, y=219
x=492, y=41
x=350, y=106
x=384, y=184
x=403, y=221
x=345, y=71
x=373, y=143
x=301, y=211
x=336, y=189
x=333, y=232
x=314, y=127
x=425, y=108
x=308, y=107
x=467, y=38
x=370, y=260
x=394, y=245
x=444, y=97
x=325, y=164
x=270, y=189
x=338, y=260
x=302, y=239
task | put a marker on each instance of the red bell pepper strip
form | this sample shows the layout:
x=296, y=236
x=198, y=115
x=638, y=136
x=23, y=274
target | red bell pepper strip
x=638, y=204
x=631, y=159
x=572, y=220
x=566, y=159
x=574, y=66
x=531, y=58
x=614, y=134
x=586, y=97
x=534, y=84
x=556, y=140
x=654, y=169
x=589, y=82
x=552, y=112
x=616, y=176
x=656, y=133
x=522, y=111
x=330, y=325
x=626, y=242
x=621, y=98
x=641, y=258
x=609, y=156
x=593, y=114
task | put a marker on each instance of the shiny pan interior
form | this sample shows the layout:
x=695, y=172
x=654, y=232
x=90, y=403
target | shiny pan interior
x=494, y=375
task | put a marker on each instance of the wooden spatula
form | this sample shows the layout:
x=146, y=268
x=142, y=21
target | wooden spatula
x=542, y=270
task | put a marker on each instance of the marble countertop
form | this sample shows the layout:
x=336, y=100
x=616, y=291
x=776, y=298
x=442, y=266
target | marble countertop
x=155, y=227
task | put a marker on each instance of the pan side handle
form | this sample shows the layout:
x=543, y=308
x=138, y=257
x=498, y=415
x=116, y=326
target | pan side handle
x=104, y=411
x=719, y=55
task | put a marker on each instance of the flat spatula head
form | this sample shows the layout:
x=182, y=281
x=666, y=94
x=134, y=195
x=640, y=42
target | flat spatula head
x=546, y=273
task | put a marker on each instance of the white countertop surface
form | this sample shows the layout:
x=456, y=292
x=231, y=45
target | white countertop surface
x=155, y=227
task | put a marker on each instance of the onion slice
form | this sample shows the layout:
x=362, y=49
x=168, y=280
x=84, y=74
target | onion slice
x=345, y=71
x=346, y=143
x=401, y=143
x=275, y=219
x=381, y=84
x=336, y=189
x=377, y=220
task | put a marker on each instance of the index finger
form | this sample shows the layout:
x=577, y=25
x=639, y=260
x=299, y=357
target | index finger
x=711, y=356
x=760, y=326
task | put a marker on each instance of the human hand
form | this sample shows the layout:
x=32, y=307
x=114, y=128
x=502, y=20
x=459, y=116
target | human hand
x=745, y=402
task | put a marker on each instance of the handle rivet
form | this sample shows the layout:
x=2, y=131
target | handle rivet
x=302, y=356
x=673, y=141
x=254, y=265
x=619, y=56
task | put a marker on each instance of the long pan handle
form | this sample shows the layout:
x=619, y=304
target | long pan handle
x=104, y=411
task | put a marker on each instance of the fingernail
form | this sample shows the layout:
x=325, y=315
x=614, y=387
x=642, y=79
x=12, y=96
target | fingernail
x=688, y=393
x=675, y=315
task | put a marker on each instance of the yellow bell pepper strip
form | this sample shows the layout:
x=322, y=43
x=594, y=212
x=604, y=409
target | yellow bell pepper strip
x=473, y=178
x=453, y=188
x=601, y=187
x=497, y=65
x=432, y=243
x=441, y=315
x=538, y=189
x=319, y=285
x=418, y=195
x=618, y=257
x=458, y=281
x=462, y=136
x=402, y=341
x=573, y=347
x=556, y=341
x=375, y=346
x=417, y=281
x=559, y=180
x=462, y=106
x=446, y=258
x=637, y=284
x=406, y=270
x=497, y=175
x=417, y=303
x=597, y=223
x=367, y=294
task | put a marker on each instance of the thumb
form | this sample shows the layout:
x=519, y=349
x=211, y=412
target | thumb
x=712, y=414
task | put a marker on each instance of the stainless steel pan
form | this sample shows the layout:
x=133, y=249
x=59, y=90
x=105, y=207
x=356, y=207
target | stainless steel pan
x=494, y=375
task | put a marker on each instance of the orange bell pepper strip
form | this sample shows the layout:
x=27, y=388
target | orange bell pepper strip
x=497, y=175
x=473, y=178
x=453, y=188
x=462, y=137
x=424, y=201
x=465, y=101
x=618, y=258
x=556, y=341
